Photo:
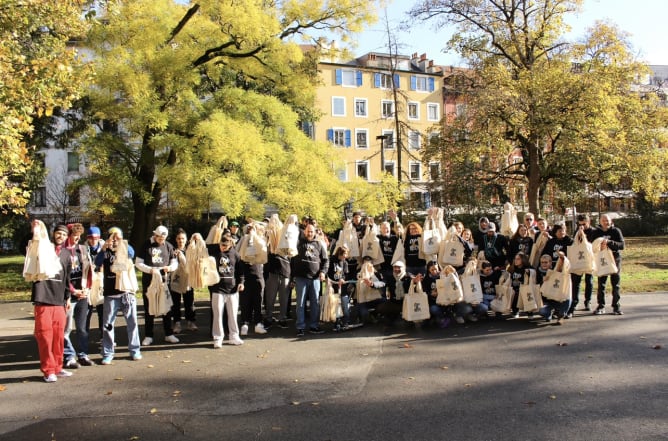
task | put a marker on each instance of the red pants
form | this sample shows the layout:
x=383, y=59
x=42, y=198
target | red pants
x=49, y=329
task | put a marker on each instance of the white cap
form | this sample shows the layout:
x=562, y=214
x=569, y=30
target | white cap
x=399, y=263
x=161, y=231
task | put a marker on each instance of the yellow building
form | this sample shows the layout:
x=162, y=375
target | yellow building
x=358, y=100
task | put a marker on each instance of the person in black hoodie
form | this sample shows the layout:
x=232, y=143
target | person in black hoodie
x=277, y=275
x=251, y=298
x=495, y=247
x=614, y=240
x=307, y=269
x=584, y=223
x=225, y=293
x=51, y=299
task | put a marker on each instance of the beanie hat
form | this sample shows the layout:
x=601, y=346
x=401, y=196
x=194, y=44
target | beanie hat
x=94, y=232
x=62, y=228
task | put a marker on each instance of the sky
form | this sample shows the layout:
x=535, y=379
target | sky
x=645, y=20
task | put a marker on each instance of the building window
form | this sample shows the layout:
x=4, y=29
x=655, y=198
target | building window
x=387, y=109
x=460, y=109
x=433, y=113
x=72, y=162
x=414, y=140
x=342, y=174
x=338, y=106
x=434, y=171
x=348, y=77
x=39, y=197
x=362, y=168
x=361, y=107
x=389, y=167
x=384, y=81
x=361, y=139
x=388, y=141
x=415, y=171
x=339, y=137
x=74, y=198
x=422, y=84
x=413, y=110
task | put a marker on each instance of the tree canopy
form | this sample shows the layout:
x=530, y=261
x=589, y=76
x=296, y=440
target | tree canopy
x=38, y=72
x=198, y=109
x=542, y=111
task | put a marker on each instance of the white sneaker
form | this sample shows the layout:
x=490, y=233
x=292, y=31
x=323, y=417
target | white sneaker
x=147, y=341
x=63, y=373
x=244, y=329
x=171, y=339
x=460, y=320
x=192, y=326
x=471, y=318
x=236, y=341
x=177, y=328
x=217, y=344
x=259, y=329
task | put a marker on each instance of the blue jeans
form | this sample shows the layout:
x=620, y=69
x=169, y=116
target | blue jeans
x=79, y=314
x=560, y=308
x=311, y=288
x=128, y=304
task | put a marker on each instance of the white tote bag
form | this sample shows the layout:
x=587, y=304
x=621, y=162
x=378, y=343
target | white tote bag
x=449, y=290
x=581, y=254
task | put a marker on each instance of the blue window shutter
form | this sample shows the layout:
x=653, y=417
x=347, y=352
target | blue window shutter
x=330, y=134
x=413, y=82
x=426, y=198
x=431, y=85
x=376, y=80
x=348, y=138
x=396, y=81
x=359, y=77
x=339, y=77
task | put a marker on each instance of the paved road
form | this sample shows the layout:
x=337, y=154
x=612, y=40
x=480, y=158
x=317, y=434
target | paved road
x=594, y=378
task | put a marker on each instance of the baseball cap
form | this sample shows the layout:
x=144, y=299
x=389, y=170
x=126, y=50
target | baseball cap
x=161, y=231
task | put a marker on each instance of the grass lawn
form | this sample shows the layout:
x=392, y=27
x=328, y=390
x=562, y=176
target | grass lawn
x=644, y=269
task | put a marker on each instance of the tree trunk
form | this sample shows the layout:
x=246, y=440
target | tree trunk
x=533, y=186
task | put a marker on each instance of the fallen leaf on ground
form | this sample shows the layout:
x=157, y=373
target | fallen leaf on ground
x=108, y=392
x=553, y=397
x=407, y=345
x=2, y=387
x=411, y=378
x=186, y=361
x=118, y=378
x=562, y=343
x=467, y=385
x=315, y=403
x=133, y=438
x=154, y=410
x=296, y=403
x=150, y=366
x=445, y=368
x=657, y=347
x=642, y=337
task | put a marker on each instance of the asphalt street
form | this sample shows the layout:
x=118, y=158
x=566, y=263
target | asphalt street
x=593, y=378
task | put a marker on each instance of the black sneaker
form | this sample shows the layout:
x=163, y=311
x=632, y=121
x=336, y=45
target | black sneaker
x=316, y=330
x=599, y=311
x=282, y=324
x=587, y=308
x=85, y=361
x=617, y=311
x=71, y=364
x=300, y=332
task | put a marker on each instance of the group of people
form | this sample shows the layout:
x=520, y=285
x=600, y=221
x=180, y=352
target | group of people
x=243, y=288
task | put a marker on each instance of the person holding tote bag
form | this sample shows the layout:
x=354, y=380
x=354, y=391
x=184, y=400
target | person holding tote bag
x=614, y=241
